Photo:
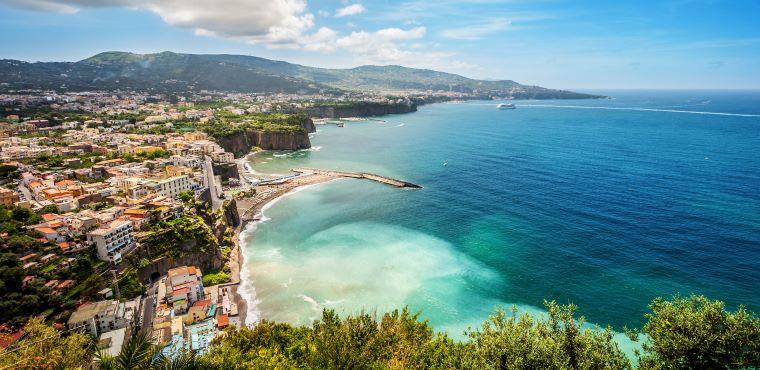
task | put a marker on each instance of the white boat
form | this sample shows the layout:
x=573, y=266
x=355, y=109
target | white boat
x=504, y=106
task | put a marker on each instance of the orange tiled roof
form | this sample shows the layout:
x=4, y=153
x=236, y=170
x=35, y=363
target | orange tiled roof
x=45, y=230
x=50, y=216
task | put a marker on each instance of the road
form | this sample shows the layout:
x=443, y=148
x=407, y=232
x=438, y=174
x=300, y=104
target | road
x=210, y=181
x=148, y=307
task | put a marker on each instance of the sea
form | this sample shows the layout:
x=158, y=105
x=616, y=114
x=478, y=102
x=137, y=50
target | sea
x=605, y=204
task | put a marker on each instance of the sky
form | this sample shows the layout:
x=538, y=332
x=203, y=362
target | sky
x=678, y=44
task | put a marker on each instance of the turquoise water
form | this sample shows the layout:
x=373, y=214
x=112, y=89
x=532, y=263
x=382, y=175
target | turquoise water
x=606, y=204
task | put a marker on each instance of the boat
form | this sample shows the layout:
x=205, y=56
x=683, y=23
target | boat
x=504, y=106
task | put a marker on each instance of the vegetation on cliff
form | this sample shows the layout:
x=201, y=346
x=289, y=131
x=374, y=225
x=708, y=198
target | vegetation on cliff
x=169, y=72
x=179, y=237
x=683, y=333
x=228, y=124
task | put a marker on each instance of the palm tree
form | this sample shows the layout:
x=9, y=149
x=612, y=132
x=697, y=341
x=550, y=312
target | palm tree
x=140, y=353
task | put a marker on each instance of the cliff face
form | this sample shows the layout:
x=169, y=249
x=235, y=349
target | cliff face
x=359, y=110
x=241, y=144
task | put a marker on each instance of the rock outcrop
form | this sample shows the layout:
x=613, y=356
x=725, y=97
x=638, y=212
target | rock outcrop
x=241, y=144
x=359, y=110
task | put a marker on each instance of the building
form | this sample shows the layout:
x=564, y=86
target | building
x=199, y=311
x=113, y=240
x=98, y=317
x=8, y=197
x=172, y=186
x=112, y=341
x=183, y=287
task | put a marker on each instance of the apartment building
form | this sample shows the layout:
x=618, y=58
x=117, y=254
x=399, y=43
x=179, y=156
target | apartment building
x=113, y=240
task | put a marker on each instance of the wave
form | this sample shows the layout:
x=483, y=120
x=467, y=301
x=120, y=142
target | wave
x=636, y=109
x=247, y=289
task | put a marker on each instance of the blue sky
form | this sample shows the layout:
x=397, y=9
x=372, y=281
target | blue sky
x=561, y=44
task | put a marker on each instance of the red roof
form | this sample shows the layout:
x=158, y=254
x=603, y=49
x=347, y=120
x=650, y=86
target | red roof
x=202, y=303
x=182, y=291
x=222, y=321
x=50, y=216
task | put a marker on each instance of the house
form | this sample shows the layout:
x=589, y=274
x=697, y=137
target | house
x=198, y=311
x=182, y=288
x=50, y=234
x=28, y=280
x=47, y=258
x=66, y=284
x=8, y=197
x=28, y=258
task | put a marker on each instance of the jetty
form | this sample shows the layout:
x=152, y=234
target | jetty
x=358, y=175
x=249, y=208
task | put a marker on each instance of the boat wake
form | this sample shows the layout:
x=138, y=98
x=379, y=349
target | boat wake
x=641, y=110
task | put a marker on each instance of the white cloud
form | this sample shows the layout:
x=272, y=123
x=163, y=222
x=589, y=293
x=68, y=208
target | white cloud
x=477, y=31
x=387, y=46
x=352, y=9
x=323, y=13
x=278, y=24
x=256, y=21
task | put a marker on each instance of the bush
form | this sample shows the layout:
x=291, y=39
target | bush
x=215, y=278
x=697, y=333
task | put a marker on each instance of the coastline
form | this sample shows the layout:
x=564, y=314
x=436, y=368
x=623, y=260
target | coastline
x=251, y=213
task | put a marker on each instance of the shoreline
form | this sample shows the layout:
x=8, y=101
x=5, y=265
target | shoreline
x=252, y=214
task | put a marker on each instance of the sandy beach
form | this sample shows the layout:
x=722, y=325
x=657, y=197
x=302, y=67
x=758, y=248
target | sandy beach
x=250, y=209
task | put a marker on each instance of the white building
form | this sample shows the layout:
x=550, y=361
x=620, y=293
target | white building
x=113, y=240
x=103, y=316
x=172, y=186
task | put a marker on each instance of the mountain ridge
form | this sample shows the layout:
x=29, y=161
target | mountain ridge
x=170, y=72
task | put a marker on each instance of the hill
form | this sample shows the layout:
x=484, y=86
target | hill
x=169, y=72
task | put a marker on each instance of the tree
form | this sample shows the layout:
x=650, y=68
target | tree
x=46, y=348
x=524, y=342
x=140, y=353
x=697, y=333
x=186, y=196
x=50, y=208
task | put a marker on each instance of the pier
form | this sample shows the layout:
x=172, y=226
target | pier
x=359, y=175
x=268, y=190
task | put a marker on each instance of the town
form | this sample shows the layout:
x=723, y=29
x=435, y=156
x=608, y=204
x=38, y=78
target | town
x=119, y=211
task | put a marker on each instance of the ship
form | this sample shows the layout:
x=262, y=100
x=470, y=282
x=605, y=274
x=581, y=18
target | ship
x=504, y=106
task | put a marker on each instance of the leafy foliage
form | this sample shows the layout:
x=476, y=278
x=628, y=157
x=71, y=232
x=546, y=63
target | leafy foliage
x=215, y=278
x=228, y=124
x=523, y=342
x=691, y=333
x=143, y=72
x=46, y=348
x=697, y=333
x=140, y=353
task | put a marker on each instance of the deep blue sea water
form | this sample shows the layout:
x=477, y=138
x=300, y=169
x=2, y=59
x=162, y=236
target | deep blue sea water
x=564, y=200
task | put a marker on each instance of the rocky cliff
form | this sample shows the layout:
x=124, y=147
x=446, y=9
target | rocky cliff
x=363, y=109
x=241, y=143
